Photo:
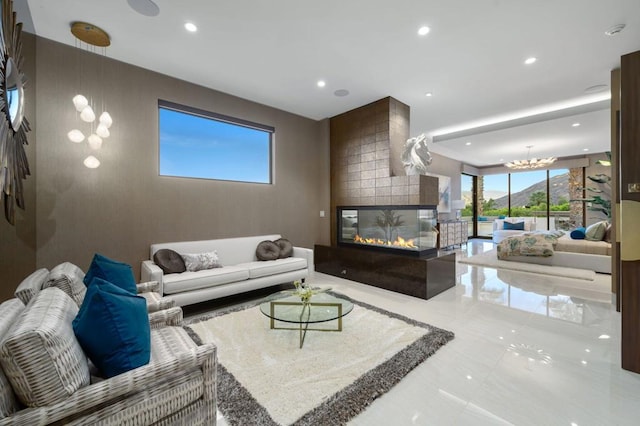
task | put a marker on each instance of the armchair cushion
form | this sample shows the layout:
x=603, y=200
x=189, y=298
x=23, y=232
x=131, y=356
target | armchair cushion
x=31, y=285
x=9, y=312
x=40, y=354
x=117, y=273
x=124, y=340
x=68, y=278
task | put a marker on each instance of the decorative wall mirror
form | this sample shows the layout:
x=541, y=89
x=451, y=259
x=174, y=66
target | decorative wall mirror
x=14, y=166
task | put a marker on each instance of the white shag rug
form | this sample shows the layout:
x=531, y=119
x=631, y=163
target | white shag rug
x=265, y=378
x=490, y=259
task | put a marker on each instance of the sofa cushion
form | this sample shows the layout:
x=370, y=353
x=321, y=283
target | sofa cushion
x=285, y=246
x=169, y=261
x=596, y=231
x=40, y=354
x=31, y=285
x=273, y=267
x=9, y=312
x=113, y=271
x=186, y=281
x=68, y=278
x=267, y=250
x=123, y=342
x=200, y=261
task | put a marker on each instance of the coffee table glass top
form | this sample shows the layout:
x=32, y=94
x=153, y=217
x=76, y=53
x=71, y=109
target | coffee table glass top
x=323, y=308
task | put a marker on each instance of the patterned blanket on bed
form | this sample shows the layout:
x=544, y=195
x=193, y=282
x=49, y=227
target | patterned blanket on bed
x=528, y=244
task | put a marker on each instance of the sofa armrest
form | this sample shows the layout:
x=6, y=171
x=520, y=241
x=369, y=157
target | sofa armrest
x=148, y=287
x=305, y=253
x=92, y=397
x=166, y=317
x=152, y=272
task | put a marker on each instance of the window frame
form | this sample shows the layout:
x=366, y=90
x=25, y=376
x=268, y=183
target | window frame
x=209, y=115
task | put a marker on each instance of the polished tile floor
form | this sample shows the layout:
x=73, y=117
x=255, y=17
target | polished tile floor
x=529, y=350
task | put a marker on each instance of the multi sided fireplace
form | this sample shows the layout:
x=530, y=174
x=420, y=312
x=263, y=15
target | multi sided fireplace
x=409, y=230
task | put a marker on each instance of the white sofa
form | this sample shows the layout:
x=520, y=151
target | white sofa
x=241, y=271
x=499, y=233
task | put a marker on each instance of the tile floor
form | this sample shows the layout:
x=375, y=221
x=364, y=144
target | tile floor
x=529, y=350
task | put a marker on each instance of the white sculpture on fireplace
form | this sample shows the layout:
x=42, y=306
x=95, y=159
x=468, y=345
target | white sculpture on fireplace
x=416, y=156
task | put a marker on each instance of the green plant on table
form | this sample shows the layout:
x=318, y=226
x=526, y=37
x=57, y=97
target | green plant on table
x=305, y=291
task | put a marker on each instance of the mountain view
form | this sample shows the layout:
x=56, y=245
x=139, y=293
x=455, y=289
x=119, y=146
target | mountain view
x=558, y=187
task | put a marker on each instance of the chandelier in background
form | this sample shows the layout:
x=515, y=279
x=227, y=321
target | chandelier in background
x=530, y=163
x=93, y=37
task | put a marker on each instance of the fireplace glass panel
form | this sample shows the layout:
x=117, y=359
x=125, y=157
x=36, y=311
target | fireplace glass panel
x=401, y=229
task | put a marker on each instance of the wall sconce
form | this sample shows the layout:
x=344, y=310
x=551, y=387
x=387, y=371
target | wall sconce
x=92, y=36
x=457, y=205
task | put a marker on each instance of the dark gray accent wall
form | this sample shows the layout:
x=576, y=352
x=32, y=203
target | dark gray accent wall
x=123, y=206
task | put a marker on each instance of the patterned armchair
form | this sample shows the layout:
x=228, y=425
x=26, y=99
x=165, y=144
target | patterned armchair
x=46, y=378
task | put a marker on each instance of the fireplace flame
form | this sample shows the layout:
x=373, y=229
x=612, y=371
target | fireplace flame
x=398, y=242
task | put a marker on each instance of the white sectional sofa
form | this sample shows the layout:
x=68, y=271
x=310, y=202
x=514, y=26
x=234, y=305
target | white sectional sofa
x=241, y=270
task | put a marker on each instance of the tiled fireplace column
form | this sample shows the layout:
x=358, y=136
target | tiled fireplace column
x=366, y=169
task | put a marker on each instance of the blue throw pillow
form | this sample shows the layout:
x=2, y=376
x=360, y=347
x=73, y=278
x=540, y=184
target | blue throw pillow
x=112, y=328
x=517, y=226
x=578, y=233
x=117, y=273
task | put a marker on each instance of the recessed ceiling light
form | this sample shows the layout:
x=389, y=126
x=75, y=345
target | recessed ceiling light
x=191, y=27
x=468, y=143
x=575, y=125
x=615, y=30
x=530, y=60
x=341, y=92
x=424, y=30
x=585, y=149
x=501, y=160
x=604, y=336
x=321, y=83
x=428, y=94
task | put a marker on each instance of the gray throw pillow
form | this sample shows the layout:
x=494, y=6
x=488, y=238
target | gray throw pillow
x=286, y=248
x=169, y=261
x=200, y=261
x=267, y=250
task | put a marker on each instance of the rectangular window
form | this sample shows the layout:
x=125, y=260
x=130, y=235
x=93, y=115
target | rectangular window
x=201, y=144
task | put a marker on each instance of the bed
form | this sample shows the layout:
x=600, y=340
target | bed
x=549, y=249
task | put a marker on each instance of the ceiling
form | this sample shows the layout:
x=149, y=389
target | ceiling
x=472, y=60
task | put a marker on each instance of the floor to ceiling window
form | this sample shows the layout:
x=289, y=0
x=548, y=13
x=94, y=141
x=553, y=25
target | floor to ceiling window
x=468, y=213
x=550, y=197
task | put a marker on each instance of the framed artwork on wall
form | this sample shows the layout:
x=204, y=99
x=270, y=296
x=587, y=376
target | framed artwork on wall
x=444, y=192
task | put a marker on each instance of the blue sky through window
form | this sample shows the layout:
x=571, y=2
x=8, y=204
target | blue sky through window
x=202, y=147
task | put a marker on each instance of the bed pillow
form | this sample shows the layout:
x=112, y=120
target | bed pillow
x=596, y=231
x=607, y=234
x=516, y=226
x=577, y=234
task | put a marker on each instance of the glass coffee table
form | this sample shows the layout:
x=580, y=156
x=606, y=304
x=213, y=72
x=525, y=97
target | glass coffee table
x=288, y=308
